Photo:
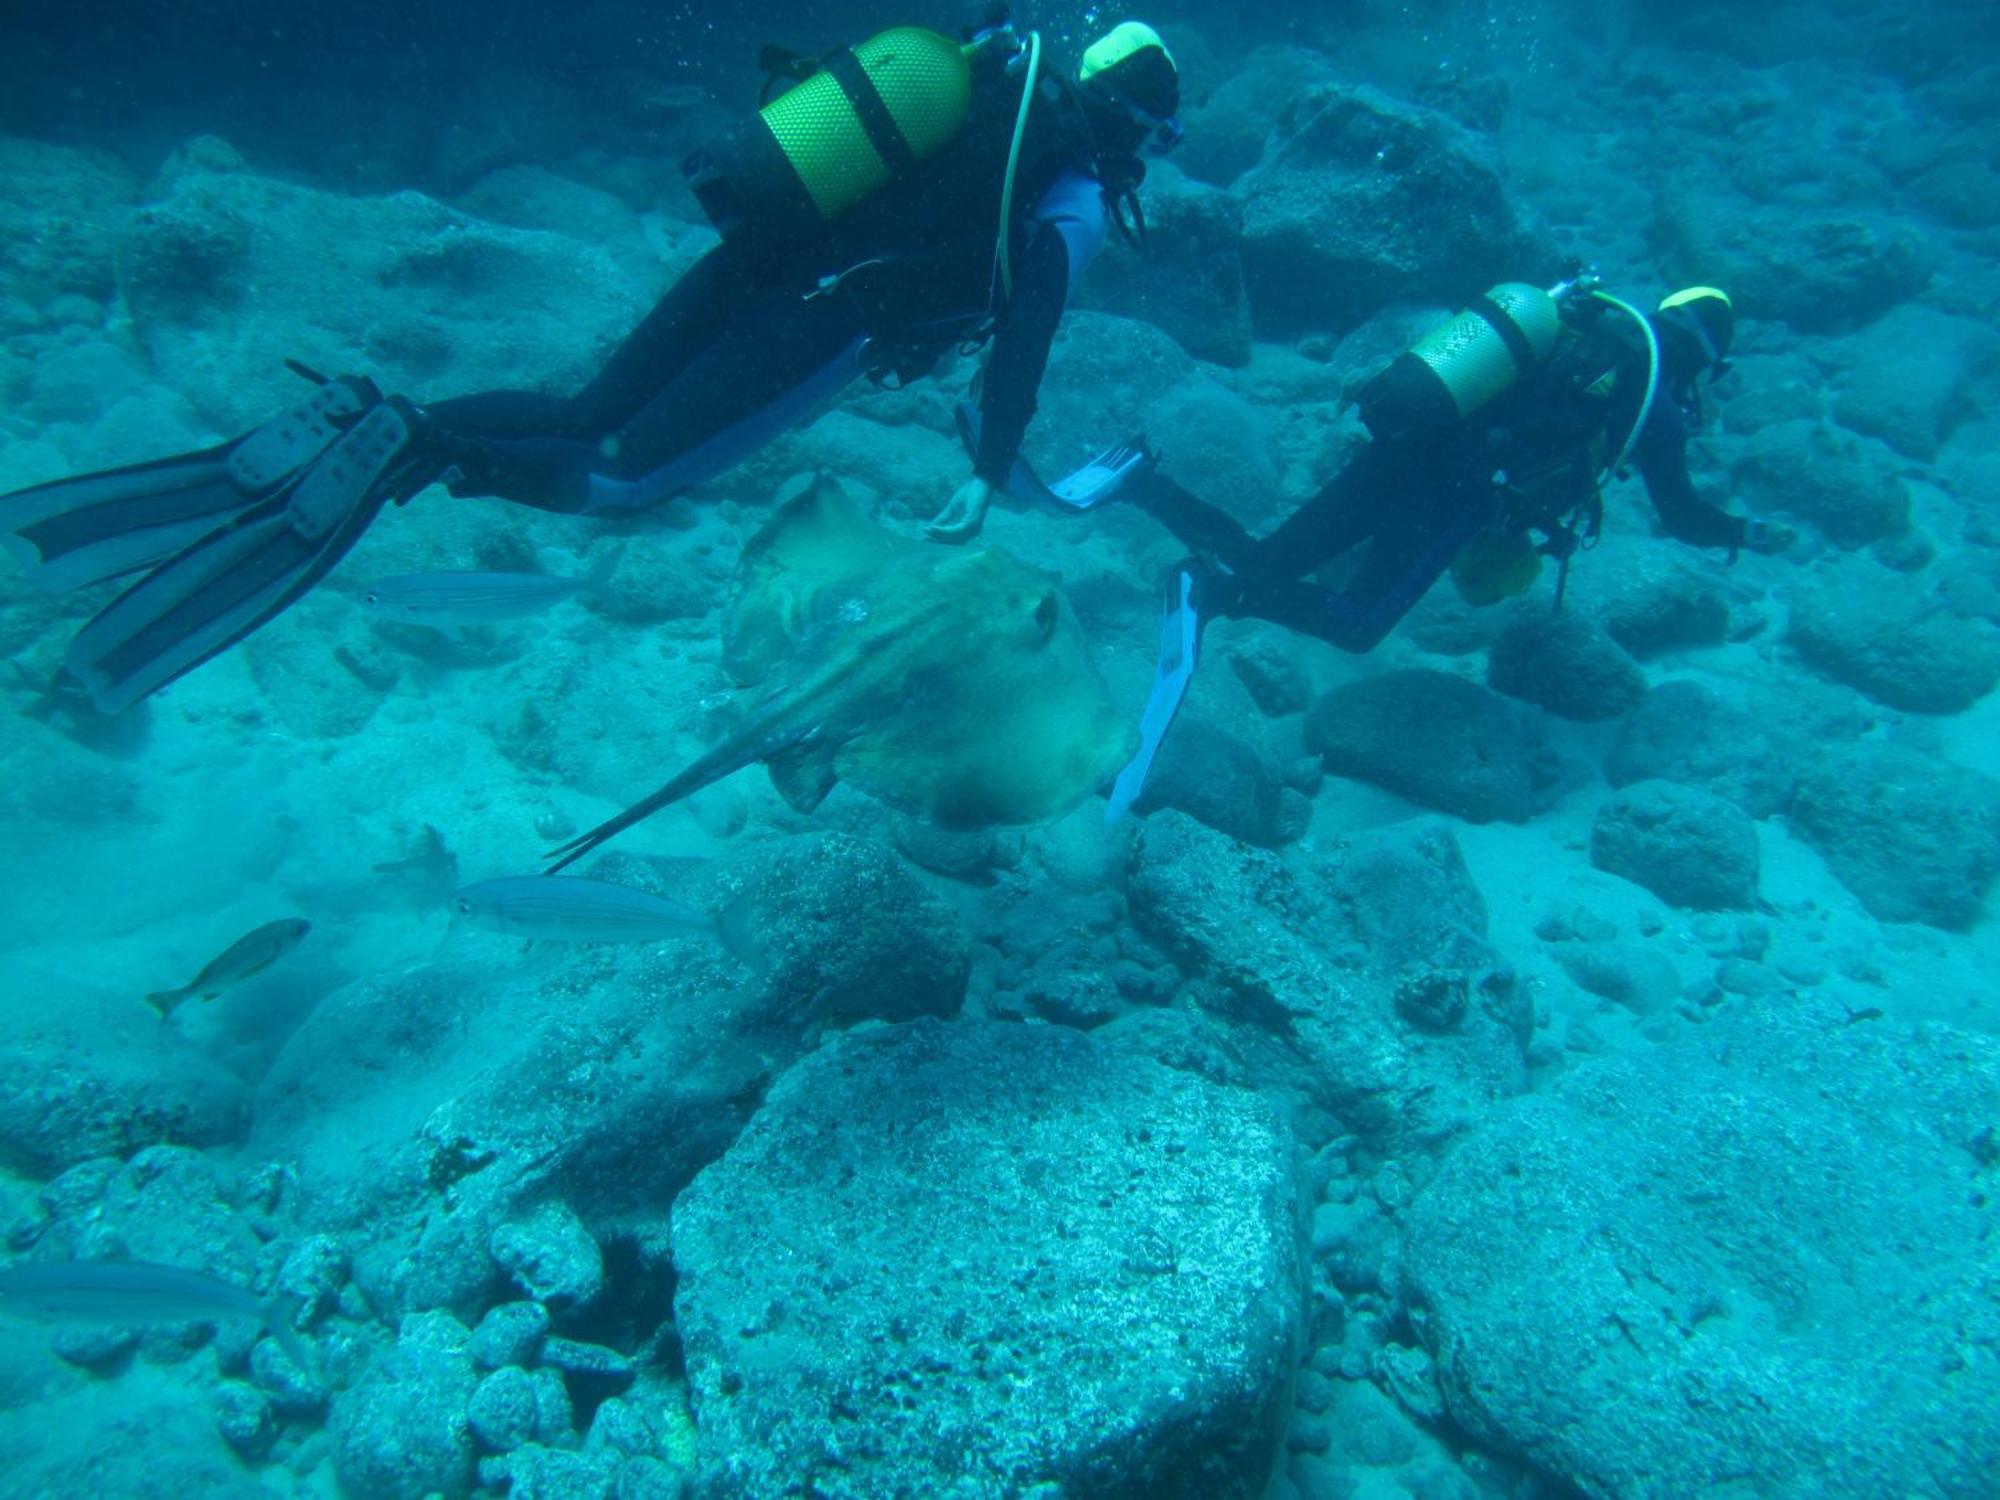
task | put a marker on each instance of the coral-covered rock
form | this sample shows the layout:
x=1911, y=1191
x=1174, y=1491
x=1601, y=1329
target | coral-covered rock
x=1567, y=665
x=1915, y=838
x=1439, y=740
x=1687, y=846
x=1363, y=200
x=1651, y=1278
x=873, y=1270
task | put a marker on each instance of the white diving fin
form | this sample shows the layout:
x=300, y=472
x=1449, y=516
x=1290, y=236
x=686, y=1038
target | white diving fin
x=1083, y=488
x=1180, y=645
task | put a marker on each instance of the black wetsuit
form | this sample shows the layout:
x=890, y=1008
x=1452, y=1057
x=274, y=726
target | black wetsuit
x=1529, y=460
x=738, y=351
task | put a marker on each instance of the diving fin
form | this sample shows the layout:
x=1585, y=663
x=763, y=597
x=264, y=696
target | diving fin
x=84, y=530
x=1180, y=646
x=213, y=593
x=1091, y=485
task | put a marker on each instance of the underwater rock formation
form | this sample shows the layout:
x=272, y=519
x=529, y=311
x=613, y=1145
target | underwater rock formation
x=608, y=1076
x=1656, y=1277
x=1439, y=740
x=1916, y=839
x=1687, y=846
x=984, y=1259
x=1364, y=200
x=1368, y=986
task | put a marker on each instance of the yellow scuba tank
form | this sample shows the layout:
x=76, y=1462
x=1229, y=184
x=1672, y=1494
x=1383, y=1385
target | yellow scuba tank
x=1462, y=365
x=869, y=114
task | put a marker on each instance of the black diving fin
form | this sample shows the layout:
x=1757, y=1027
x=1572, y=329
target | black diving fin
x=212, y=593
x=73, y=532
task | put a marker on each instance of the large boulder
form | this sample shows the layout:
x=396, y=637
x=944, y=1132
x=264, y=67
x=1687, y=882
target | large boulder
x=1876, y=631
x=1439, y=740
x=1365, y=985
x=1915, y=838
x=984, y=1259
x=1364, y=200
x=60, y=212
x=1819, y=274
x=1567, y=665
x=1847, y=486
x=1687, y=846
x=1227, y=782
x=1185, y=275
x=606, y=1075
x=87, y=1073
x=1688, y=732
x=1662, y=1273
x=228, y=274
x=1909, y=378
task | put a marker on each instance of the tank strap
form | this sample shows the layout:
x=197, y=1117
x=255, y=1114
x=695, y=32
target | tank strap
x=1509, y=331
x=782, y=65
x=876, y=121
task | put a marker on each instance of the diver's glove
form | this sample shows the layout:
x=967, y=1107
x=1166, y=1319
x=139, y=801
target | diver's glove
x=964, y=513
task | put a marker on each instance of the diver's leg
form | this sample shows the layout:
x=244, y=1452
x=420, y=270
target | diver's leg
x=1201, y=527
x=1414, y=543
x=695, y=311
x=780, y=359
x=1346, y=511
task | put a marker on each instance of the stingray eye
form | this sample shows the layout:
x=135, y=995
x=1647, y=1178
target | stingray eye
x=1045, y=615
x=374, y=598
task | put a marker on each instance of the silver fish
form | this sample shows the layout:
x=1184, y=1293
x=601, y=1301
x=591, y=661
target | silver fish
x=135, y=1292
x=570, y=909
x=444, y=600
x=249, y=955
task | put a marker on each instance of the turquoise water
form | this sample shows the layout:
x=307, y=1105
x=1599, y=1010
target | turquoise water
x=1547, y=1054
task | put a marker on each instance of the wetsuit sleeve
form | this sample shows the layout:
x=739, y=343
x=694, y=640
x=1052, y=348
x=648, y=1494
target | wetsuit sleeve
x=1661, y=454
x=1021, y=352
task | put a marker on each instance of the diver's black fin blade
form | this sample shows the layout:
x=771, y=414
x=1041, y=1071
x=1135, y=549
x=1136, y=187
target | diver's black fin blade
x=217, y=591
x=79, y=531
x=84, y=530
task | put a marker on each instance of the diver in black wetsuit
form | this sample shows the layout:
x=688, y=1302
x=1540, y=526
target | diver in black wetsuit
x=1501, y=425
x=751, y=339
x=906, y=197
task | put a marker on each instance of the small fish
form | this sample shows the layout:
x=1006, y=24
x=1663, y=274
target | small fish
x=249, y=955
x=430, y=869
x=571, y=909
x=445, y=600
x=672, y=98
x=135, y=1292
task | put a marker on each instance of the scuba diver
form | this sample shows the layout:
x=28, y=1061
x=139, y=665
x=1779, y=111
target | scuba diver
x=1501, y=425
x=904, y=197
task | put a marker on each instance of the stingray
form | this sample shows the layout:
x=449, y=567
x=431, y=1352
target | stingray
x=951, y=684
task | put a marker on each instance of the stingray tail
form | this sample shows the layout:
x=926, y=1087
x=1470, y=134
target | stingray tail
x=732, y=755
